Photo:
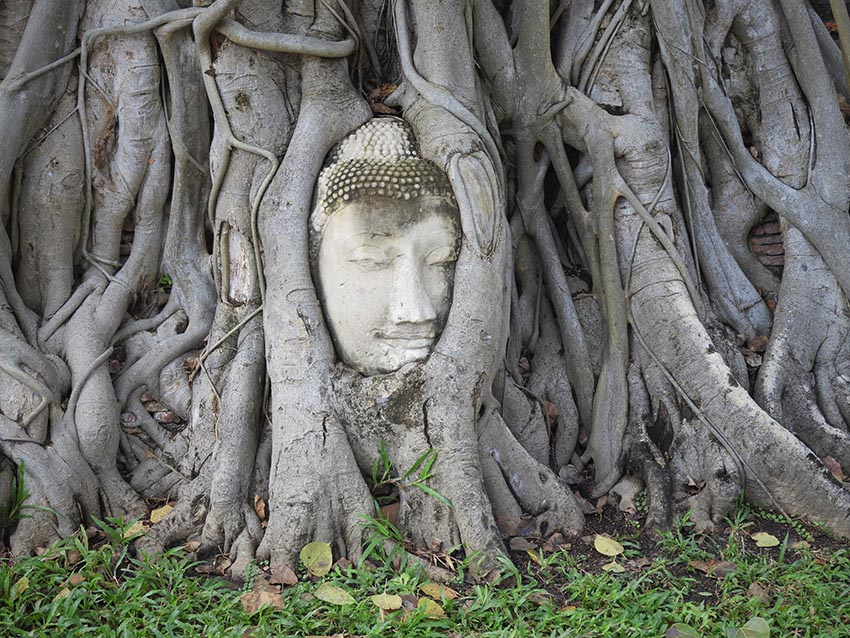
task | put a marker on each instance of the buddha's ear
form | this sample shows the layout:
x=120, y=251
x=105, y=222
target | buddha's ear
x=473, y=173
x=478, y=197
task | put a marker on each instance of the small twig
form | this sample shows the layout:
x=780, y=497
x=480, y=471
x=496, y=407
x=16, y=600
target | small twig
x=23, y=78
x=210, y=349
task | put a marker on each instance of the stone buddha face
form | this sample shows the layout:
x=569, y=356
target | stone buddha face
x=384, y=241
x=385, y=271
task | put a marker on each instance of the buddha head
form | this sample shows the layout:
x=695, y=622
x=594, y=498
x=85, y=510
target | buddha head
x=385, y=236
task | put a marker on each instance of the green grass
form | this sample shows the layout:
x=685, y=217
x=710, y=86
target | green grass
x=107, y=592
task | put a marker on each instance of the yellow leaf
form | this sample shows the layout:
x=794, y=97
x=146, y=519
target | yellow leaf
x=800, y=545
x=614, y=567
x=160, y=513
x=533, y=556
x=432, y=609
x=20, y=587
x=763, y=539
x=64, y=592
x=435, y=590
x=333, y=594
x=136, y=529
x=260, y=507
x=607, y=546
x=387, y=602
x=317, y=558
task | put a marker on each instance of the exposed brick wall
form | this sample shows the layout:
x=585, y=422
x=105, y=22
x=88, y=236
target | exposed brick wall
x=765, y=238
x=766, y=243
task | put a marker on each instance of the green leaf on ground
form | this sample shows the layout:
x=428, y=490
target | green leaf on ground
x=681, y=630
x=614, y=567
x=763, y=539
x=607, y=546
x=317, y=558
x=20, y=587
x=755, y=627
x=432, y=609
x=387, y=602
x=333, y=594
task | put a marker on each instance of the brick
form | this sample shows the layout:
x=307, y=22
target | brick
x=766, y=239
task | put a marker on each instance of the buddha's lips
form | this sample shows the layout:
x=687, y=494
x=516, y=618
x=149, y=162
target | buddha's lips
x=411, y=340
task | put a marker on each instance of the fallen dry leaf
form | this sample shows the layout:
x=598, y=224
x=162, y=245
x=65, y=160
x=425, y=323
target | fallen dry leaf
x=217, y=565
x=76, y=579
x=283, y=576
x=264, y=584
x=713, y=567
x=343, y=564
x=160, y=513
x=192, y=546
x=521, y=544
x=540, y=598
x=437, y=591
x=390, y=512
x=755, y=590
x=63, y=593
x=551, y=412
x=758, y=343
x=554, y=543
x=252, y=601
x=136, y=529
x=835, y=467
x=20, y=587
x=382, y=109
x=260, y=507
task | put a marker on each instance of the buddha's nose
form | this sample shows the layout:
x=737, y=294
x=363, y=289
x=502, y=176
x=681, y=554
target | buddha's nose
x=411, y=302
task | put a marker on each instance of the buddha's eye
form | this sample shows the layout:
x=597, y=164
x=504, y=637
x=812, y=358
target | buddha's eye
x=369, y=259
x=442, y=256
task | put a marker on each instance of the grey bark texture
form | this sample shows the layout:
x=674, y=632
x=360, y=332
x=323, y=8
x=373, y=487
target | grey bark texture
x=161, y=336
